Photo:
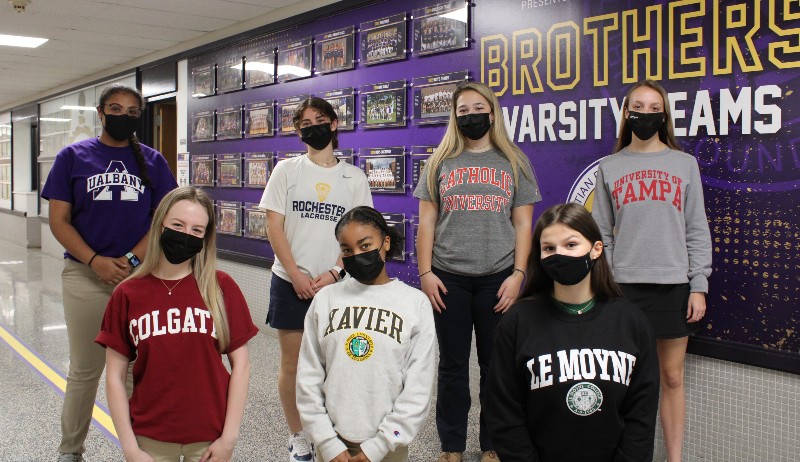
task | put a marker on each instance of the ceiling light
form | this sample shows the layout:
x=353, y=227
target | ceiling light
x=20, y=41
x=79, y=108
x=54, y=119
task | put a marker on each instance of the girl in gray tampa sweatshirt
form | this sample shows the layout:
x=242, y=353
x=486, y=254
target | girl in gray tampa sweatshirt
x=649, y=206
x=366, y=367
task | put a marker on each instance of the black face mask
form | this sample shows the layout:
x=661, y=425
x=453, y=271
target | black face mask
x=474, y=126
x=644, y=126
x=316, y=136
x=120, y=127
x=179, y=247
x=364, y=267
x=566, y=270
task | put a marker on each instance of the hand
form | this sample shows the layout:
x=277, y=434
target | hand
x=360, y=457
x=508, y=293
x=433, y=287
x=324, y=279
x=111, y=270
x=137, y=455
x=302, y=284
x=220, y=450
x=697, y=307
x=343, y=457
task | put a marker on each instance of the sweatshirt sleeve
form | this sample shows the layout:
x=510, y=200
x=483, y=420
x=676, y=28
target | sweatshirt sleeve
x=506, y=398
x=639, y=409
x=310, y=395
x=411, y=406
x=698, y=235
x=603, y=212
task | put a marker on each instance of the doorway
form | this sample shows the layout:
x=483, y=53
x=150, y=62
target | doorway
x=163, y=123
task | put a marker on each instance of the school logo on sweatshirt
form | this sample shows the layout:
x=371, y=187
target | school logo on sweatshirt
x=359, y=346
x=322, y=191
x=116, y=178
x=584, y=398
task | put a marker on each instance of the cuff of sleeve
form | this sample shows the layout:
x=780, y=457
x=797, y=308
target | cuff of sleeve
x=375, y=448
x=106, y=340
x=699, y=283
x=332, y=448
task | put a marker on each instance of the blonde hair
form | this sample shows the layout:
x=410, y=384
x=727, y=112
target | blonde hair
x=454, y=142
x=204, y=264
x=667, y=131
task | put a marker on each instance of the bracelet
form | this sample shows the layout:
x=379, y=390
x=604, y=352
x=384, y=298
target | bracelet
x=524, y=274
x=90, y=261
x=426, y=272
x=335, y=279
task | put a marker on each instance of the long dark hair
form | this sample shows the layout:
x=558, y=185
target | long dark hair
x=369, y=216
x=132, y=141
x=573, y=216
x=666, y=133
x=324, y=108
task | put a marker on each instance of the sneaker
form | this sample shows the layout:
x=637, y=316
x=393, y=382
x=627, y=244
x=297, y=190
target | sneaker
x=70, y=458
x=300, y=449
x=489, y=456
x=449, y=457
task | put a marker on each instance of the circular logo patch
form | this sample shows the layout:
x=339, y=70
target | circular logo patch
x=359, y=346
x=584, y=398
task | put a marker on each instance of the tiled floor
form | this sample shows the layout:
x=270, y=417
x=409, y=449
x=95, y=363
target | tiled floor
x=30, y=309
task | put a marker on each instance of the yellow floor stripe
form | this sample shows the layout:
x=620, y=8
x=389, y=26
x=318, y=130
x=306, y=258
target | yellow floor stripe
x=54, y=377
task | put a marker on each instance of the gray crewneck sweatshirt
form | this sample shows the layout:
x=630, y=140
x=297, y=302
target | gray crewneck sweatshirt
x=650, y=210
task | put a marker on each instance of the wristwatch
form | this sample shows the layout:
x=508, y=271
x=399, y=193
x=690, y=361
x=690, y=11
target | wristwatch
x=339, y=270
x=133, y=259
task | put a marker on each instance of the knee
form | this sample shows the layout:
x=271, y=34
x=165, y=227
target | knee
x=672, y=379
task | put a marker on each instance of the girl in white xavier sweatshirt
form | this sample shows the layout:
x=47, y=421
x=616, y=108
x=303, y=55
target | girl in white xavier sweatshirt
x=366, y=368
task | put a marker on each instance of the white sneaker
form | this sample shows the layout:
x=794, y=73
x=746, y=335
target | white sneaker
x=300, y=449
x=70, y=458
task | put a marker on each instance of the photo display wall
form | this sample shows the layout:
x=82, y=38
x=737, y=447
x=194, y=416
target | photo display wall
x=560, y=73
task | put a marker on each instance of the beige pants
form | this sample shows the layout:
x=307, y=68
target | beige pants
x=398, y=455
x=172, y=452
x=85, y=299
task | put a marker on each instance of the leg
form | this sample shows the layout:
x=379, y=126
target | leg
x=287, y=376
x=672, y=357
x=85, y=299
x=159, y=450
x=454, y=333
x=486, y=321
x=193, y=452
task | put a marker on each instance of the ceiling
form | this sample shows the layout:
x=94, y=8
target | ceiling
x=91, y=39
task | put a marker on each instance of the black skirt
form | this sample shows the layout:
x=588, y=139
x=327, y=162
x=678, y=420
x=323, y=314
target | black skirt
x=665, y=305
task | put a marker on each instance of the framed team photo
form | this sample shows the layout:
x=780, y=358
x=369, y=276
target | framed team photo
x=385, y=169
x=383, y=40
x=294, y=60
x=384, y=104
x=433, y=96
x=260, y=68
x=345, y=155
x=229, y=123
x=442, y=27
x=259, y=119
x=229, y=170
x=202, y=169
x=257, y=167
x=231, y=74
x=343, y=102
x=255, y=222
x=398, y=222
x=203, y=83
x=203, y=126
x=414, y=232
x=419, y=157
x=286, y=109
x=334, y=51
x=229, y=218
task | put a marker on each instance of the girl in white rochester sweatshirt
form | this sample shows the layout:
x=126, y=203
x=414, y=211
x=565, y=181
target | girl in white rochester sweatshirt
x=366, y=368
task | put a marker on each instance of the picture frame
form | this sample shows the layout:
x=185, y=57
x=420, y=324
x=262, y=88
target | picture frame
x=345, y=155
x=343, y=102
x=333, y=51
x=257, y=169
x=203, y=126
x=294, y=60
x=203, y=81
x=255, y=222
x=229, y=123
x=229, y=170
x=385, y=169
x=433, y=96
x=419, y=157
x=286, y=108
x=383, y=40
x=383, y=104
x=260, y=68
x=441, y=27
x=229, y=218
x=259, y=119
x=398, y=222
x=202, y=169
x=231, y=74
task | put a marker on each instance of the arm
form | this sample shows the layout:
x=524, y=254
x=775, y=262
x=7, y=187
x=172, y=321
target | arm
x=221, y=450
x=280, y=245
x=603, y=213
x=411, y=406
x=640, y=406
x=116, y=373
x=505, y=397
x=310, y=397
x=521, y=217
x=108, y=269
x=698, y=246
x=431, y=284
